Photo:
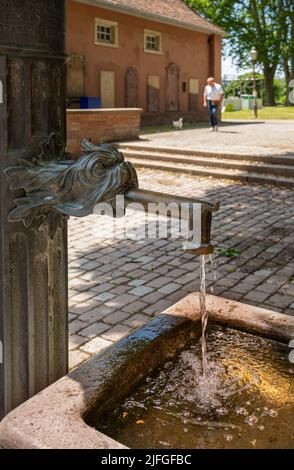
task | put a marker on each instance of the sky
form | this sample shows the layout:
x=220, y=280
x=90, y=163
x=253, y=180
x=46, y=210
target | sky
x=229, y=68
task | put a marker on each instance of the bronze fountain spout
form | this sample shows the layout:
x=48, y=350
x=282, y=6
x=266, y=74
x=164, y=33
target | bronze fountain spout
x=54, y=182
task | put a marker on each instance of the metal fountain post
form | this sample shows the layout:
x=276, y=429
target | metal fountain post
x=33, y=278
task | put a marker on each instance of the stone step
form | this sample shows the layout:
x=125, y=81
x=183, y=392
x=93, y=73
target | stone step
x=173, y=151
x=255, y=167
x=219, y=173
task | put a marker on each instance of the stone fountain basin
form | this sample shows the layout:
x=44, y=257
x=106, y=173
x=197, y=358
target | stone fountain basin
x=56, y=417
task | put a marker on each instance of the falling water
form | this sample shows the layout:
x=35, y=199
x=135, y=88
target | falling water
x=212, y=272
x=203, y=312
x=202, y=305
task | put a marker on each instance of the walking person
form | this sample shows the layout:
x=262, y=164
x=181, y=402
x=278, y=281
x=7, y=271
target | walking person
x=212, y=99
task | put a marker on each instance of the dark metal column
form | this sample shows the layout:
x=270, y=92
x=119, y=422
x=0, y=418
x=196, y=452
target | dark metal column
x=33, y=277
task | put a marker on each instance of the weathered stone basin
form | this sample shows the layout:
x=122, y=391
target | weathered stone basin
x=56, y=417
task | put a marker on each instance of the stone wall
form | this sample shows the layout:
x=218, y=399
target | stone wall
x=101, y=125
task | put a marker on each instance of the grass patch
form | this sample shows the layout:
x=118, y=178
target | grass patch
x=268, y=112
x=229, y=252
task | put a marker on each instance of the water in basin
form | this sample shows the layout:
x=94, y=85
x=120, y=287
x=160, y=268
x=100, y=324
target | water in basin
x=245, y=401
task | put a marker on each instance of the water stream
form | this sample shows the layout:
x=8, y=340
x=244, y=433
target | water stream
x=204, y=260
x=204, y=313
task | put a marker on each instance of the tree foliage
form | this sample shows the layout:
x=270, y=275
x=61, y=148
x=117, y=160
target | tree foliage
x=244, y=85
x=265, y=24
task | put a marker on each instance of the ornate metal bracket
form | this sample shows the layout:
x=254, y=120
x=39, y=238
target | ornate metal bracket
x=54, y=182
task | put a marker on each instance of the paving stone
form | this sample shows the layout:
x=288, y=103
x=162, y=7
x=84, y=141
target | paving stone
x=241, y=288
x=279, y=300
x=75, y=341
x=93, y=330
x=116, y=317
x=136, y=282
x=267, y=288
x=100, y=288
x=150, y=276
x=177, y=273
x=137, y=320
x=169, y=288
x=83, y=296
x=256, y=296
x=120, y=289
x=76, y=326
x=289, y=311
x=231, y=295
x=141, y=291
x=92, y=265
x=145, y=259
x=104, y=296
x=96, y=345
x=186, y=278
x=263, y=273
x=116, y=333
x=76, y=358
x=158, y=307
x=129, y=267
x=135, y=307
x=120, y=280
x=258, y=220
x=153, y=297
x=176, y=296
x=161, y=281
x=120, y=301
x=72, y=316
x=96, y=314
x=79, y=309
x=288, y=289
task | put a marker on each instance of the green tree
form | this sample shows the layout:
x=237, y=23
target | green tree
x=249, y=23
x=286, y=17
x=244, y=85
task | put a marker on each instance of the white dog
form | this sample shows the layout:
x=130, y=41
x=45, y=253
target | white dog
x=178, y=124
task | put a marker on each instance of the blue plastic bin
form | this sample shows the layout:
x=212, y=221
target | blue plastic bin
x=90, y=102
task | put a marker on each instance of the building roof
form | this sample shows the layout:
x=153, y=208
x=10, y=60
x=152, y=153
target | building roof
x=175, y=12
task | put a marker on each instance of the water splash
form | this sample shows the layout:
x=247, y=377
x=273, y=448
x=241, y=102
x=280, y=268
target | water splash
x=246, y=401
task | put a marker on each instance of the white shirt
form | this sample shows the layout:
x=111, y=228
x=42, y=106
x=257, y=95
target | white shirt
x=213, y=93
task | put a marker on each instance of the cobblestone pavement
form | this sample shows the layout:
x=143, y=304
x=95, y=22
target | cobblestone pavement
x=116, y=285
x=237, y=137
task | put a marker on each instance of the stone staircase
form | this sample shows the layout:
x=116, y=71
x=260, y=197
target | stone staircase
x=262, y=169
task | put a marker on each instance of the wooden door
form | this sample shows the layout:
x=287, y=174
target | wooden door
x=193, y=94
x=107, y=89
